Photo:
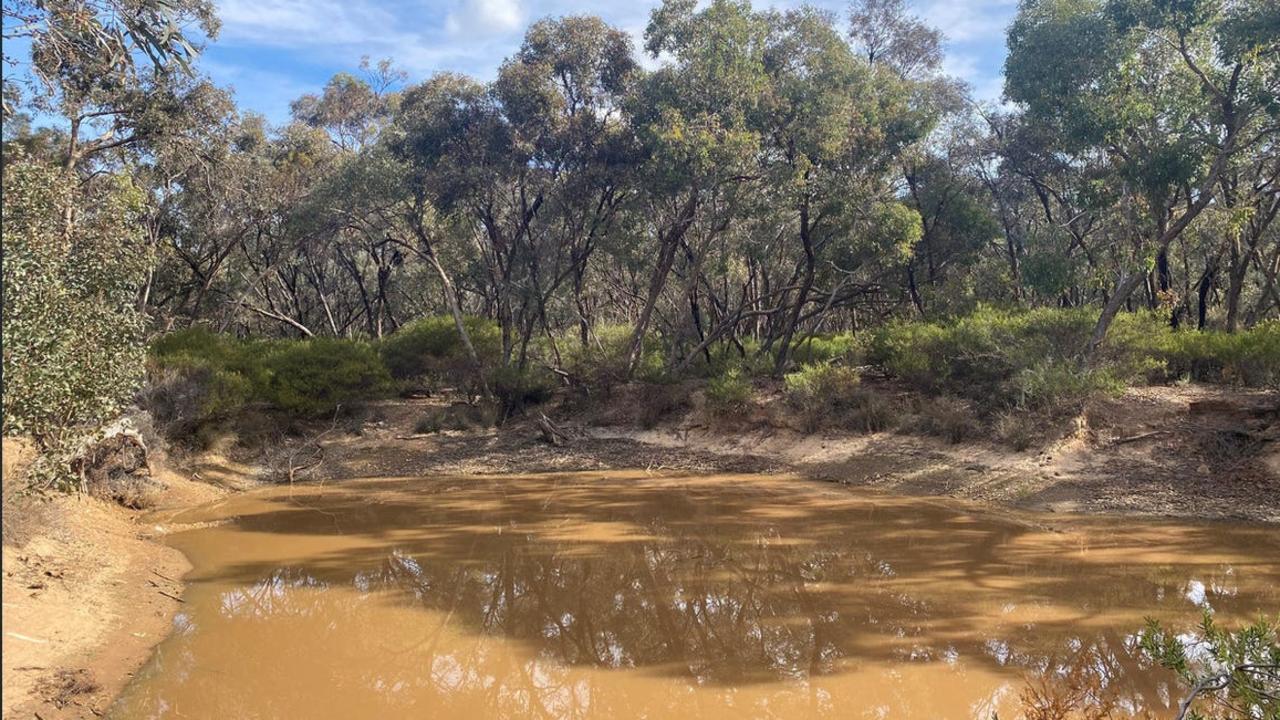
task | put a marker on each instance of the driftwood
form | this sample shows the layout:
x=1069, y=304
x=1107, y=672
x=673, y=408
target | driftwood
x=551, y=433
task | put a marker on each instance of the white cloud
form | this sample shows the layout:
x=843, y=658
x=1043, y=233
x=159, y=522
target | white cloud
x=485, y=17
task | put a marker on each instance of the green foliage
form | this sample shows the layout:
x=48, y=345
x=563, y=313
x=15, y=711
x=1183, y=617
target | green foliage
x=516, y=389
x=431, y=348
x=603, y=362
x=1250, y=358
x=730, y=392
x=73, y=350
x=198, y=377
x=311, y=378
x=840, y=347
x=1027, y=359
x=821, y=383
x=827, y=394
x=1228, y=673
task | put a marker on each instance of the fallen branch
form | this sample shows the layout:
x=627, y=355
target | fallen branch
x=171, y=597
x=1140, y=436
x=551, y=432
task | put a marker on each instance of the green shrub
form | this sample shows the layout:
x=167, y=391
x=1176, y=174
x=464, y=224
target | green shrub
x=72, y=334
x=1239, y=663
x=820, y=384
x=1062, y=386
x=431, y=349
x=603, y=362
x=1250, y=358
x=516, y=389
x=844, y=348
x=825, y=394
x=748, y=359
x=1000, y=359
x=186, y=393
x=313, y=377
x=728, y=392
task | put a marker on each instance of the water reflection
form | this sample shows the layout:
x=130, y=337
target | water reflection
x=628, y=596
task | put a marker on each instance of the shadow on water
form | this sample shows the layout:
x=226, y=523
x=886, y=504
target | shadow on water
x=696, y=594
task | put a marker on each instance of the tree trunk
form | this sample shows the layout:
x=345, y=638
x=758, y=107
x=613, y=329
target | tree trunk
x=1127, y=285
x=810, y=261
x=669, y=242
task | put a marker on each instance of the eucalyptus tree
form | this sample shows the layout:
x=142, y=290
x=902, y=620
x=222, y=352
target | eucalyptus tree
x=694, y=118
x=562, y=94
x=835, y=127
x=1165, y=94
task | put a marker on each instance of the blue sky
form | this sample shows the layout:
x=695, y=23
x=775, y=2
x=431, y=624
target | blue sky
x=272, y=51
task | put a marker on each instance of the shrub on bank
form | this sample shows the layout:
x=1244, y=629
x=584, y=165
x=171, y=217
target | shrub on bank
x=1028, y=359
x=196, y=378
x=602, y=363
x=311, y=378
x=844, y=348
x=517, y=389
x=431, y=349
x=1250, y=358
x=728, y=392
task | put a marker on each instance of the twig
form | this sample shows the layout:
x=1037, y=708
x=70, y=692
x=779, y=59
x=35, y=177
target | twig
x=1139, y=436
x=171, y=597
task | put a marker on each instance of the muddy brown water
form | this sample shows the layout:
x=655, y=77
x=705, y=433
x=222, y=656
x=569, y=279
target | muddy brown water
x=625, y=595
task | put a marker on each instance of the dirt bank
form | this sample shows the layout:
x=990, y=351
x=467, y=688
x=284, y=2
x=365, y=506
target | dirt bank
x=1194, y=452
x=87, y=593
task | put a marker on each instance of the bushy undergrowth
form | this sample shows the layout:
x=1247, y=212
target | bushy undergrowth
x=1001, y=360
x=1250, y=358
x=1031, y=359
x=602, y=363
x=315, y=377
x=828, y=394
x=729, y=392
x=196, y=378
x=987, y=369
x=430, y=350
x=844, y=348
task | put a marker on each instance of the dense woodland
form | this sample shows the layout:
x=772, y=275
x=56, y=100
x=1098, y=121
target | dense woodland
x=780, y=177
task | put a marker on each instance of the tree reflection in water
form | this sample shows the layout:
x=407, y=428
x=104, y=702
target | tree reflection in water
x=629, y=596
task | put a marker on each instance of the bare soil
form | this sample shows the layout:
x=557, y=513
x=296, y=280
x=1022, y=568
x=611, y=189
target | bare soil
x=1197, y=452
x=89, y=590
x=87, y=594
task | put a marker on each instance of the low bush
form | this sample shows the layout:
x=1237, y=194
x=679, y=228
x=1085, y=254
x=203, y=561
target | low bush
x=315, y=377
x=869, y=411
x=658, y=401
x=602, y=363
x=517, y=389
x=728, y=393
x=1061, y=386
x=821, y=392
x=459, y=416
x=1000, y=360
x=430, y=350
x=1250, y=358
x=1016, y=429
x=185, y=393
x=947, y=417
x=844, y=348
